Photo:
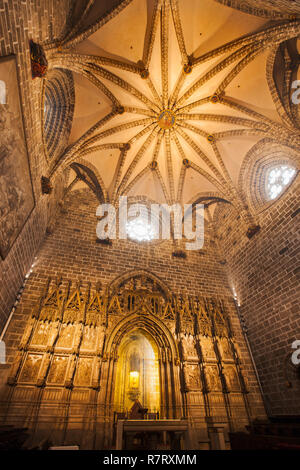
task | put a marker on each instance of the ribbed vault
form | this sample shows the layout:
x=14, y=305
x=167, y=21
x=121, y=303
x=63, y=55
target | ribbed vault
x=165, y=114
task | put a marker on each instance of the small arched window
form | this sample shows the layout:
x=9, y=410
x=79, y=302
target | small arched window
x=2, y=92
x=278, y=178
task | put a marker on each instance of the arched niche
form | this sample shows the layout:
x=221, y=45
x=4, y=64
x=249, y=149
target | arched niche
x=165, y=359
x=137, y=374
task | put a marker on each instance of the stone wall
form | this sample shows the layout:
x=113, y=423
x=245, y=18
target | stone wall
x=21, y=21
x=71, y=252
x=264, y=272
x=266, y=8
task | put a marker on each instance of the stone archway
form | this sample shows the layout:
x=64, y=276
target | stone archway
x=167, y=356
x=138, y=374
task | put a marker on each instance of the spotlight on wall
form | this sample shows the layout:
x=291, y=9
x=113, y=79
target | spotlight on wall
x=235, y=296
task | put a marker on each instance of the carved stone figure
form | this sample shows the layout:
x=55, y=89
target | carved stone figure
x=188, y=345
x=84, y=371
x=89, y=338
x=27, y=332
x=232, y=380
x=58, y=370
x=193, y=376
x=225, y=348
x=41, y=333
x=212, y=378
x=31, y=368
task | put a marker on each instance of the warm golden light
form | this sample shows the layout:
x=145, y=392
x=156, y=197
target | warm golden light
x=137, y=375
x=134, y=379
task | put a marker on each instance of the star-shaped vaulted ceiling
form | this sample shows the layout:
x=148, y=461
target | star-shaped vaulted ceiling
x=170, y=95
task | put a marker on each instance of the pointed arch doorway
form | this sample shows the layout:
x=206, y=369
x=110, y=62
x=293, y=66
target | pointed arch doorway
x=145, y=388
x=143, y=346
x=137, y=374
x=141, y=368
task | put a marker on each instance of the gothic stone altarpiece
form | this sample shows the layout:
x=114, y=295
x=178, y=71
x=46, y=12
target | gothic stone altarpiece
x=61, y=384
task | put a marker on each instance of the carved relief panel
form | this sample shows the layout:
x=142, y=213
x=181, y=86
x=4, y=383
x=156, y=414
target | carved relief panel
x=232, y=380
x=212, y=378
x=84, y=371
x=66, y=336
x=31, y=368
x=89, y=338
x=225, y=349
x=192, y=374
x=207, y=348
x=58, y=370
x=41, y=334
x=188, y=347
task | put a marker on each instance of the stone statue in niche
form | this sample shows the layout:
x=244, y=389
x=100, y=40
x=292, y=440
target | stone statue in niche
x=237, y=350
x=77, y=336
x=96, y=373
x=27, y=332
x=15, y=367
x=53, y=333
x=44, y=369
x=70, y=373
x=101, y=336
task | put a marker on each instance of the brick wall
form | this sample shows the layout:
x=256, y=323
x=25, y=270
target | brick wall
x=21, y=21
x=266, y=8
x=71, y=251
x=265, y=274
x=265, y=277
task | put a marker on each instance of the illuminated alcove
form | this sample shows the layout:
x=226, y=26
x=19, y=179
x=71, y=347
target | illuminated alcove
x=137, y=376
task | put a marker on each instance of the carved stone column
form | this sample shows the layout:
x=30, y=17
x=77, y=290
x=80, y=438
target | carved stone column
x=170, y=391
x=162, y=389
x=178, y=398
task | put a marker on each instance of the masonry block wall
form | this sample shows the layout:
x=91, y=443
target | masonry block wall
x=21, y=21
x=72, y=252
x=264, y=272
x=266, y=8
